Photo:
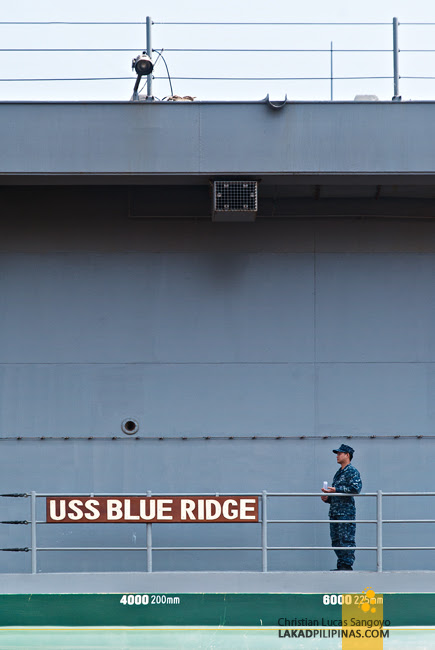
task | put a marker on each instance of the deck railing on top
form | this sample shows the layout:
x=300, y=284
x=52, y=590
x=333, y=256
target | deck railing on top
x=264, y=523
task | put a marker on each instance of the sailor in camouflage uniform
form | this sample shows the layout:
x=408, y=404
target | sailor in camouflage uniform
x=346, y=480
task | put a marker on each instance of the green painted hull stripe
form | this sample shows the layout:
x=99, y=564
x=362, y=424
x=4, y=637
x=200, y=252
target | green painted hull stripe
x=199, y=609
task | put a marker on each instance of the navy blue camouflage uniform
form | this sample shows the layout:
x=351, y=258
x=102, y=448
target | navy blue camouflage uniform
x=347, y=480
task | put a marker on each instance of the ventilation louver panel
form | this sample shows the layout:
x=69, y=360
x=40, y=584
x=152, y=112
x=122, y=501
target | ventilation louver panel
x=235, y=200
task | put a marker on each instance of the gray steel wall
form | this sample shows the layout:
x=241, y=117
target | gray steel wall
x=152, y=138
x=302, y=328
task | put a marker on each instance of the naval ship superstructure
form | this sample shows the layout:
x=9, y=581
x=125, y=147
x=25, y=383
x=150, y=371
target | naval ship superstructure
x=156, y=343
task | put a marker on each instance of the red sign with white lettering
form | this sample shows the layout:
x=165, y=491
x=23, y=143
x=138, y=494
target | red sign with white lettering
x=126, y=510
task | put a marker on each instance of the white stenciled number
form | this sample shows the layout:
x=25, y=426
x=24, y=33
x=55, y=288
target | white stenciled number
x=333, y=599
x=135, y=599
x=336, y=599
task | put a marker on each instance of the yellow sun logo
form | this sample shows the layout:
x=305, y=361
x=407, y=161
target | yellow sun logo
x=366, y=605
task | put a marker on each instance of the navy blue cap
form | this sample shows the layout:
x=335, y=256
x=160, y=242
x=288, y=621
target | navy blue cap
x=345, y=449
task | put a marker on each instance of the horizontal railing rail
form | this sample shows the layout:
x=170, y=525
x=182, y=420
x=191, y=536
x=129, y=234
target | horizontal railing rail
x=263, y=522
x=329, y=73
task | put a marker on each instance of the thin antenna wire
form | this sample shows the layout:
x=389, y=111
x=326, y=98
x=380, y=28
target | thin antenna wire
x=65, y=22
x=26, y=80
x=265, y=23
x=74, y=79
x=68, y=22
x=256, y=49
x=69, y=49
x=276, y=78
x=167, y=70
x=202, y=49
x=100, y=22
x=220, y=49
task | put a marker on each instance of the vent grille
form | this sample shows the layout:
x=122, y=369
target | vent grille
x=235, y=200
x=235, y=195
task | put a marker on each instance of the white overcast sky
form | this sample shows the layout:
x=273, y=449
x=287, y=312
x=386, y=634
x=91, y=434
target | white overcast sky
x=25, y=64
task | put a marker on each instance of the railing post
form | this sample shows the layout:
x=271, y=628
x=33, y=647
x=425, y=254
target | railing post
x=33, y=529
x=396, y=97
x=150, y=54
x=264, y=530
x=379, y=531
x=332, y=71
x=149, y=543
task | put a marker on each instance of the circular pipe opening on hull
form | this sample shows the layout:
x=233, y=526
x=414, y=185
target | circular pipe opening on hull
x=130, y=426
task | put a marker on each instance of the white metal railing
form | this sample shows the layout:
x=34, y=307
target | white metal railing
x=264, y=521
